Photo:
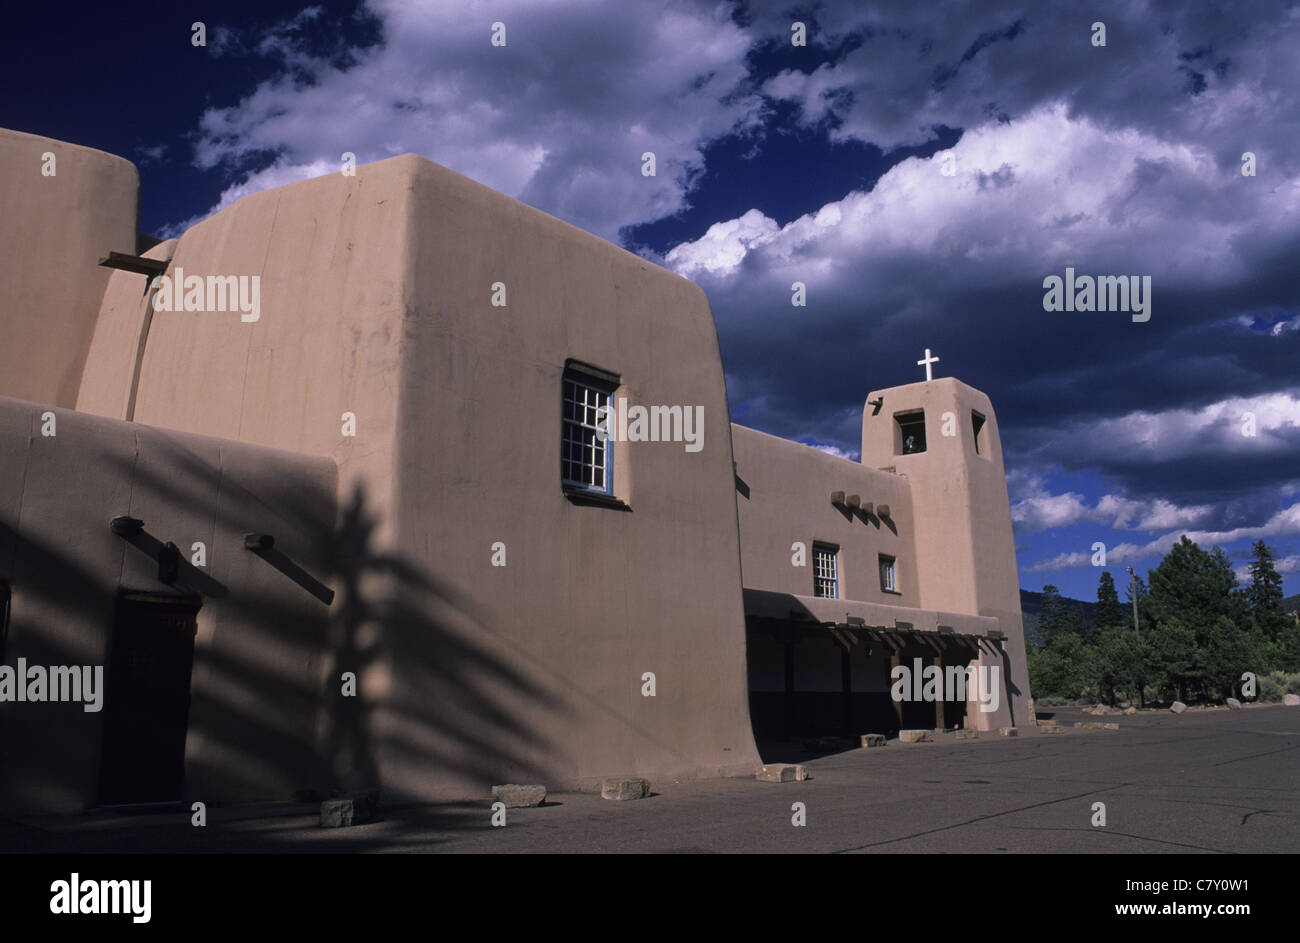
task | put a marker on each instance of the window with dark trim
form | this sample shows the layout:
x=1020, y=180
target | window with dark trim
x=586, y=453
x=888, y=579
x=826, y=571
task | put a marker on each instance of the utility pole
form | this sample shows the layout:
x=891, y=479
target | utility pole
x=1133, y=591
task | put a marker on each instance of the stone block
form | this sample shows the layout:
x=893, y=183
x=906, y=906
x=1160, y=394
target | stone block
x=1048, y=723
x=516, y=796
x=913, y=736
x=1053, y=730
x=1234, y=704
x=344, y=811
x=781, y=773
x=1110, y=726
x=968, y=734
x=1008, y=732
x=1291, y=700
x=1178, y=707
x=873, y=740
x=1130, y=710
x=625, y=789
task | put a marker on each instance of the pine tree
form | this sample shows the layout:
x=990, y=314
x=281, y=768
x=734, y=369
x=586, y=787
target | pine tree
x=1109, y=612
x=1264, y=594
x=1200, y=637
x=1121, y=662
x=1052, y=618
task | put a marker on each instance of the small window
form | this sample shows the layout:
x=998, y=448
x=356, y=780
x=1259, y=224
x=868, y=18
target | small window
x=977, y=424
x=586, y=457
x=887, y=582
x=911, y=432
x=826, y=571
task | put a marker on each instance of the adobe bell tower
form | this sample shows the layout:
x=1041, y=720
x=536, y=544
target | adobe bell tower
x=942, y=436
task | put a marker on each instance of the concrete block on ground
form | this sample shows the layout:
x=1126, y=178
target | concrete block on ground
x=873, y=740
x=1178, y=707
x=1053, y=730
x=968, y=734
x=1110, y=726
x=1048, y=723
x=516, y=796
x=1008, y=732
x=1130, y=710
x=1291, y=700
x=913, y=736
x=780, y=773
x=355, y=809
x=625, y=789
x=1234, y=704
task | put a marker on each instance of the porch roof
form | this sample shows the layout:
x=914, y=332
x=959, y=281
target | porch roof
x=851, y=620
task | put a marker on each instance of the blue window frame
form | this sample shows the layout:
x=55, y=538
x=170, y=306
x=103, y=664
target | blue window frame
x=887, y=581
x=586, y=458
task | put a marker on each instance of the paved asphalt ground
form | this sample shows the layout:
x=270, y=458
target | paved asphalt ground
x=1212, y=781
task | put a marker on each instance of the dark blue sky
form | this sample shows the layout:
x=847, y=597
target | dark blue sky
x=823, y=164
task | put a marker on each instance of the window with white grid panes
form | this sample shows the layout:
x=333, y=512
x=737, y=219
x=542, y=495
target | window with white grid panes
x=586, y=462
x=826, y=576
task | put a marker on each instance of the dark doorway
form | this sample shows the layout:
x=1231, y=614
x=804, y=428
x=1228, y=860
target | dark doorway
x=147, y=699
x=954, y=711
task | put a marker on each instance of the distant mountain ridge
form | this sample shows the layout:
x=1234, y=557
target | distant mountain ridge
x=1031, y=606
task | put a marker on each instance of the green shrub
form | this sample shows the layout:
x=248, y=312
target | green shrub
x=1276, y=683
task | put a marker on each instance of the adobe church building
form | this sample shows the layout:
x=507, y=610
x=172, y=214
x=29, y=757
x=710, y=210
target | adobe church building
x=329, y=493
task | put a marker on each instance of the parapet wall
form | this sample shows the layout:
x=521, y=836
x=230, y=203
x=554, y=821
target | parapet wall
x=783, y=493
x=64, y=208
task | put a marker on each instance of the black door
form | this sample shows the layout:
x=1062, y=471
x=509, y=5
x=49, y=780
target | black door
x=147, y=699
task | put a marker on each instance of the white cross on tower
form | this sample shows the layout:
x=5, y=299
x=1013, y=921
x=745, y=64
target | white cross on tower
x=926, y=362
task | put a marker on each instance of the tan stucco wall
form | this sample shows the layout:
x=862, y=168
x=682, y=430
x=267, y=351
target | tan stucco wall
x=375, y=297
x=121, y=330
x=789, y=499
x=256, y=710
x=55, y=230
x=965, y=545
x=591, y=598
x=330, y=254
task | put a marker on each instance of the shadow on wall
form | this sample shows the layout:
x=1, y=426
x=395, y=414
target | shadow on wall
x=436, y=633
x=268, y=717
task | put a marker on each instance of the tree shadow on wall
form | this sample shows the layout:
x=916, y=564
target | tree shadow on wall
x=448, y=707
x=268, y=714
